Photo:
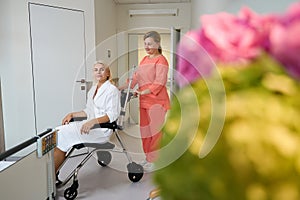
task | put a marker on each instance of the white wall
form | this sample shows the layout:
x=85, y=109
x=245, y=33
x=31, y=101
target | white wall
x=233, y=6
x=106, y=29
x=15, y=63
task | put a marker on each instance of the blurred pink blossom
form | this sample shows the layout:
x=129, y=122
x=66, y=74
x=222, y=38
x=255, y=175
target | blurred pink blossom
x=235, y=39
x=192, y=59
x=285, y=40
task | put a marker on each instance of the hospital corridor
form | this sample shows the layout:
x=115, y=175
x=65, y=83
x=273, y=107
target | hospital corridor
x=149, y=99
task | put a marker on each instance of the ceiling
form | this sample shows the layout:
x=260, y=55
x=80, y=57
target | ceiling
x=149, y=1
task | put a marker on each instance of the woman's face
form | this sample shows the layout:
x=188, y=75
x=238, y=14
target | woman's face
x=151, y=47
x=101, y=73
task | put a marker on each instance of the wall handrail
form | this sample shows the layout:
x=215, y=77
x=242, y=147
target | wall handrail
x=23, y=145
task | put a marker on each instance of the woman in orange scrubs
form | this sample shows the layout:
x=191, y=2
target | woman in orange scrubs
x=151, y=77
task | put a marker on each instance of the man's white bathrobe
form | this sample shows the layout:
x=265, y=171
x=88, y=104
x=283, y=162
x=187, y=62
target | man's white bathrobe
x=106, y=102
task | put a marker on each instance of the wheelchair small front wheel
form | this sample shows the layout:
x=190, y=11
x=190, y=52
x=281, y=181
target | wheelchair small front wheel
x=70, y=193
x=135, y=172
x=104, y=158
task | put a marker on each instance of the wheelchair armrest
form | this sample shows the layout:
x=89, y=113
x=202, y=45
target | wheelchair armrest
x=106, y=145
x=77, y=119
x=110, y=125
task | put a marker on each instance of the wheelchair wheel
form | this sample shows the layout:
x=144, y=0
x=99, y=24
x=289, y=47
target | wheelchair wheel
x=104, y=158
x=70, y=193
x=135, y=172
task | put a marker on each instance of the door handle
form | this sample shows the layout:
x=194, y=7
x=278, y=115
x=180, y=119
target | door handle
x=81, y=81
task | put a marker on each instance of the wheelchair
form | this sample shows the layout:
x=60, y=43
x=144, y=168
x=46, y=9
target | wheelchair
x=103, y=151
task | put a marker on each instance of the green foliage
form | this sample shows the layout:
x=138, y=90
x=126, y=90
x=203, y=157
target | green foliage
x=257, y=156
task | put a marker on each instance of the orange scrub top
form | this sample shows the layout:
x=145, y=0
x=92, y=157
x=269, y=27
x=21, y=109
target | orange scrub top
x=152, y=74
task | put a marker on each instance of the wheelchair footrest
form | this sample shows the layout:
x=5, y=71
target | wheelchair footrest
x=106, y=145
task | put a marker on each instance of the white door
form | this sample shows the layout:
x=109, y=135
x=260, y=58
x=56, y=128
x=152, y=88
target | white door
x=58, y=63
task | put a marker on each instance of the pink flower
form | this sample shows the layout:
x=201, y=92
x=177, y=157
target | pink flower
x=285, y=40
x=192, y=59
x=224, y=38
x=236, y=39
